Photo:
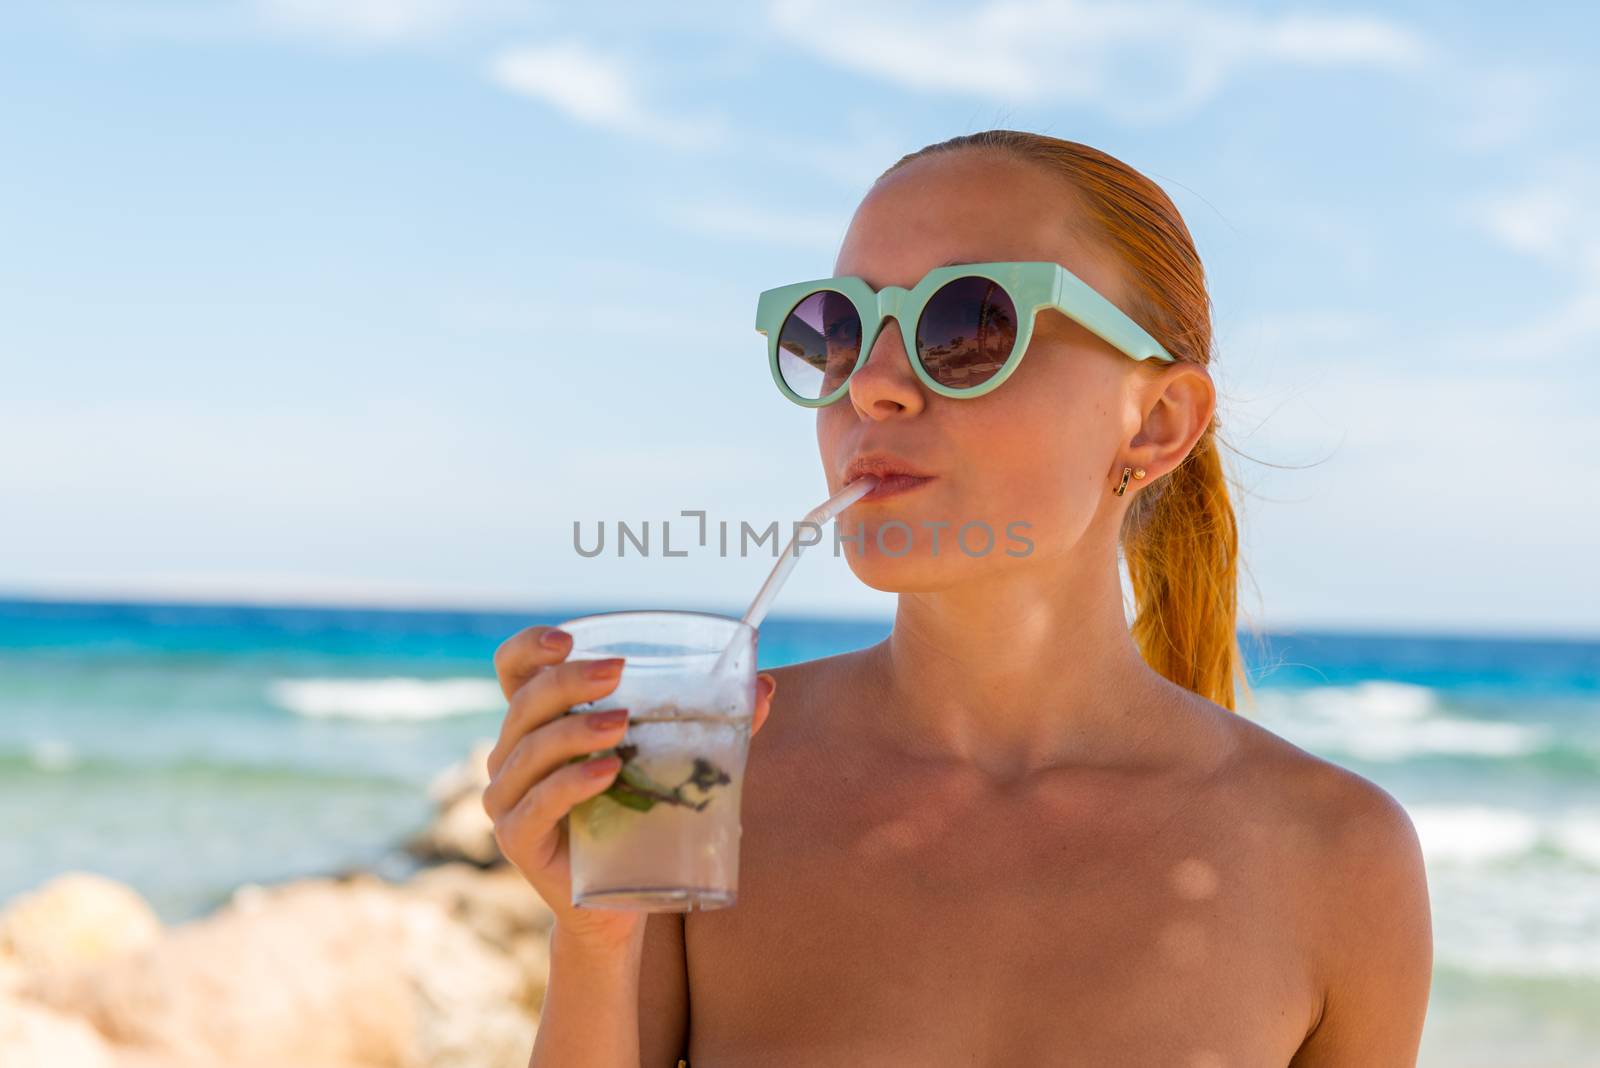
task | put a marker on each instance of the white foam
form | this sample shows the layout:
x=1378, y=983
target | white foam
x=1536, y=919
x=1376, y=699
x=1380, y=720
x=1579, y=837
x=52, y=754
x=1473, y=834
x=391, y=698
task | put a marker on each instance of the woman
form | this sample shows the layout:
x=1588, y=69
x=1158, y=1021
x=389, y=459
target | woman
x=1013, y=832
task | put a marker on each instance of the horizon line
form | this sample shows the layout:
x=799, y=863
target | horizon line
x=376, y=600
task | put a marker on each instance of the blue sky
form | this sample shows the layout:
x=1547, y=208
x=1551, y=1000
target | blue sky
x=311, y=299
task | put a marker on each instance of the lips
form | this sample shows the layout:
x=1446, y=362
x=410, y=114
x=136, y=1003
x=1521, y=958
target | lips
x=894, y=485
x=895, y=476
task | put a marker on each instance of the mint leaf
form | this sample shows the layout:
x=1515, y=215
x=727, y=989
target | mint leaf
x=622, y=794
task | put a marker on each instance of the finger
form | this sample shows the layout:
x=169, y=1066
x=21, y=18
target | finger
x=520, y=656
x=549, y=694
x=766, y=686
x=541, y=808
x=546, y=748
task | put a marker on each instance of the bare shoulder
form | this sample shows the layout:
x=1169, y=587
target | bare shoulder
x=818, y=671
x=1353, y=860
x=1358, y=835
x=806, y=692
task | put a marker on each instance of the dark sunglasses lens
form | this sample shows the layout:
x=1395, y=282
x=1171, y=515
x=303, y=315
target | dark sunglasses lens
x=966, y=332
x=819, y=343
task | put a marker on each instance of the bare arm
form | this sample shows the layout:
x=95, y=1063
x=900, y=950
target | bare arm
x=591, y=1006
x=1379, y=949
x=626, y=1006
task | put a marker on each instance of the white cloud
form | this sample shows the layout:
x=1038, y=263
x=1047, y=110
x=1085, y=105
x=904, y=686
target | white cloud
x=1504, y=106
x=1555, y=216
x=357, y=22
x=1137, y=62
x=382, y=20
x=1327, y=40
x=1534, y=220
x=1555, y=219
x=598, y=90
x=1438, y=418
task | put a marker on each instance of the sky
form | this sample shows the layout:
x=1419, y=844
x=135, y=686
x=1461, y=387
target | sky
x=353, y=301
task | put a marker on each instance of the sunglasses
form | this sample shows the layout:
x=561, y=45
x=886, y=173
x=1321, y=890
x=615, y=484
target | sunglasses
x=965, y=326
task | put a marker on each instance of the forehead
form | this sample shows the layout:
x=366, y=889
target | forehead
x=968, y=207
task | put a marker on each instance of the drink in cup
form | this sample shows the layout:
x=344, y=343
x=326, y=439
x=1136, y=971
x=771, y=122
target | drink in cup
x=664, y=837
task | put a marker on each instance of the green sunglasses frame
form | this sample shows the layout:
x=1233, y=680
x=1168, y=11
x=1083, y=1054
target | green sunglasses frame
x=1031, y=285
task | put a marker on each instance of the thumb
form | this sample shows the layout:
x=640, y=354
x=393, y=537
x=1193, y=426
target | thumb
x=766, y=686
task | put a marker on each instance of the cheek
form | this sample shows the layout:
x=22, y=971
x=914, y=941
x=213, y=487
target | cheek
x=831, y=431
x=1043, y=464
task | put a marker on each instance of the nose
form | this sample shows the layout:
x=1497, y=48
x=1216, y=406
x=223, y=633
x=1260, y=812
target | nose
x=886, y=386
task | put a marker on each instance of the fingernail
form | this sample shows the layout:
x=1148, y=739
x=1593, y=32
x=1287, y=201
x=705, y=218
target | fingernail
x=599, y=769
x=608, y=668
x=610, y=719
x=554, y=639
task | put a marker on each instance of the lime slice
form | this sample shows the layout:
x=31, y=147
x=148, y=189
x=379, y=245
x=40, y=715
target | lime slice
x=601, y=816
x=631, y=774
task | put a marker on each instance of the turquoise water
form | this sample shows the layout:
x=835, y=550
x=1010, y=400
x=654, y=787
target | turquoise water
x=187, y=749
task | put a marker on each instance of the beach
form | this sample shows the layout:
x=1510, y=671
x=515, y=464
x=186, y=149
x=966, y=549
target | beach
x=186, y=784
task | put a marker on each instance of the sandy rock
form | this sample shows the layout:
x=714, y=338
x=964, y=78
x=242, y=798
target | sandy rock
x=502, y=908
x=14, y=978
x=531, y=956
x=320, y=974
x=34, y=1036
x=497, y=903
x=72, y=923
x=460, y=830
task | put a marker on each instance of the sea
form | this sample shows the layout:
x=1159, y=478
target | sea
x=186, y=749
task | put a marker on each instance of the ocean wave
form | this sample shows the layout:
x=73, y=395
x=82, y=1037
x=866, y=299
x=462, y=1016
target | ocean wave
x=1389, y=721
x=1534, y=921
x=52, y=754
x=1475, y=835
x=1579, y=838
x=96, y=770
x=399, y=698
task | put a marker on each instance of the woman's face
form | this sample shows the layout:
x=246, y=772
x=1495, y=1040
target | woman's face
x=1032, y=462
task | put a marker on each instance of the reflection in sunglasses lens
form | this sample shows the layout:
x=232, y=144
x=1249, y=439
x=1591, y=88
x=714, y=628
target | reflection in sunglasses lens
x=819, y=343
x=966, y=332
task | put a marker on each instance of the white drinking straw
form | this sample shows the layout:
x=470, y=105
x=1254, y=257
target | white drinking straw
x=818, y=516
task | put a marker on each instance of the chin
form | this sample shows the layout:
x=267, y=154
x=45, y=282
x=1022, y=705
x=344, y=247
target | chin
x=907, y=580
x=918, y=569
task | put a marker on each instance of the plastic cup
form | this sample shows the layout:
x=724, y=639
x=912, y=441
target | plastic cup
x=664, y=837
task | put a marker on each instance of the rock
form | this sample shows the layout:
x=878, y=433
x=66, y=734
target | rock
x=320, y=974
x=13, y=976
x=531, y=956
x=72, y=923
x=34, y=1036
x=461, y=830
x=502, y=908
x=498, y=903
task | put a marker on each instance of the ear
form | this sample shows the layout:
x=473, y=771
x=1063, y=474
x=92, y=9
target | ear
x=766, y=686
x=1177, y=406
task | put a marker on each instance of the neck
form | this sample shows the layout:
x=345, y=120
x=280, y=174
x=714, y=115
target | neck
x=1016, y=673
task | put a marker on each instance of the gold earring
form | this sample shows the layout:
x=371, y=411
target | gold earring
x=1136, y=472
